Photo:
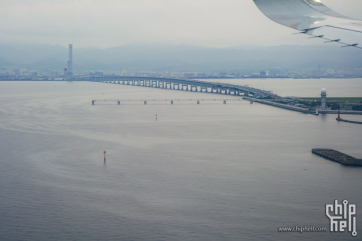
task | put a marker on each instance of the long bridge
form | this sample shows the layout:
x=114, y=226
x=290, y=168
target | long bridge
x=184, y=84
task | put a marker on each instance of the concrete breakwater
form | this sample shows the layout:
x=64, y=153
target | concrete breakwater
x=349, y=121
x=346, y=112
x=337, y=156
x=288, y=107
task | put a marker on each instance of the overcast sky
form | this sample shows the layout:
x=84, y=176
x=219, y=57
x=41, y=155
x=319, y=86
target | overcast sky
x=109, y=23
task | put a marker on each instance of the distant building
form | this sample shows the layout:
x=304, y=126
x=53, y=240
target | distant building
x=17, y=71
x=189, y=75
x=96, y=73
x=262, y=74
x=53, y=74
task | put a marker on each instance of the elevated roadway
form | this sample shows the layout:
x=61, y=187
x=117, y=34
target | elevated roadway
x=185, y=85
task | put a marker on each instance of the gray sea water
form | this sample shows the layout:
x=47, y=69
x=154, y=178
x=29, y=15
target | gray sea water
x=199, y=172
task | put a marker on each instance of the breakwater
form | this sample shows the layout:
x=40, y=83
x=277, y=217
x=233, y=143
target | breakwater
x=346, y=112
x=337, y=156
x=349, y=121
x=288, y=107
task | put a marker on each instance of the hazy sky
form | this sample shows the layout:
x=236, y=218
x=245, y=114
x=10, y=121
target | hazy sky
x=108, y=23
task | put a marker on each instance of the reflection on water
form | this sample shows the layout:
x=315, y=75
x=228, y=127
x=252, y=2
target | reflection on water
x=323, y=117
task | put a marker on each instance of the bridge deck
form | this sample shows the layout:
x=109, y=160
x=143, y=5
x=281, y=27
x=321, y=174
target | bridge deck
x=185, y=84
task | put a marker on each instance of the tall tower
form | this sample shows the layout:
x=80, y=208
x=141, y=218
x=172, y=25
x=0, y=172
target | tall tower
x=70, y=62
x=323, y=98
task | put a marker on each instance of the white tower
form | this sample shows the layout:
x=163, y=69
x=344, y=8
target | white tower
x=323, y=98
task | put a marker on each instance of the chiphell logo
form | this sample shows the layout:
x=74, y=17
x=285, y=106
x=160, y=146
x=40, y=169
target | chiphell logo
x=342, y=217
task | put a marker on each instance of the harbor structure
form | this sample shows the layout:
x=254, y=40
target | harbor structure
x=337, y=156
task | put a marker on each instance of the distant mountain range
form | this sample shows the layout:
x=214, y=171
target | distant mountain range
x=180, y=58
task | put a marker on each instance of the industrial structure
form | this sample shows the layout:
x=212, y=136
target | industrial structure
x=69, y=71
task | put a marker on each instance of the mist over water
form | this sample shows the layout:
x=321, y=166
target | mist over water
x=199, y=172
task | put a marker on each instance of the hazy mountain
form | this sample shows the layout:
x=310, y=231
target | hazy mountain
x=163, y=57
x=4, y=63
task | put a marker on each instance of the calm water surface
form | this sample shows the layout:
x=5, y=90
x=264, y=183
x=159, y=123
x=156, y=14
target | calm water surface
x=200, y=172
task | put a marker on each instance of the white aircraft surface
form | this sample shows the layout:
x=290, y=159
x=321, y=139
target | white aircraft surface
x=313, y=18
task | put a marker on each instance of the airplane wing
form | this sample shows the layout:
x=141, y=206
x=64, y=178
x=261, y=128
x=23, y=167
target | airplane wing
x=313, y=18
